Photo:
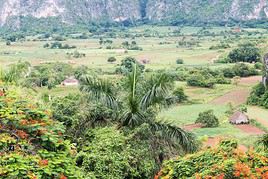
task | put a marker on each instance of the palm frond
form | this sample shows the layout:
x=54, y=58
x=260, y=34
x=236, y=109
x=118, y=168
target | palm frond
x=133, y=116
x=171, y=132
x=99, y=89
x=157, y=88
x=263, y=141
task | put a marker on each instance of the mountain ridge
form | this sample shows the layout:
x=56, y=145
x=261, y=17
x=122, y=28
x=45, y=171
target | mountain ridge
x=155, y=11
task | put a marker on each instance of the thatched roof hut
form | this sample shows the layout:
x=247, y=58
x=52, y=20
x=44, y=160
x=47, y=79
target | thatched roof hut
x=239, y=118
x=71, y=81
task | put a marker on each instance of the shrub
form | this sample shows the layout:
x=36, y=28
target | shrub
x=8, y=42
x=224, y=161
x=108, y=153
x=32, y=143
x=111, y=59
x=245, y=53
x=256, y=95
x=208, y=119
x=179, y=61
x=127, y=65
x=180, y=95
x=219, y=46
x=258, y=65
x=241, y=70
x=200, y=81
x=46, y=45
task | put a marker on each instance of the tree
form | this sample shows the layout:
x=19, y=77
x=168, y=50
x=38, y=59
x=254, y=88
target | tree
x=111, y=59
x=8, y=43
x=112, y=154
x=139, y=100
x=32, y=144
x=245, y=53
x=208, y=119
x=179, y=61
x=126, y=66
x=180, y=95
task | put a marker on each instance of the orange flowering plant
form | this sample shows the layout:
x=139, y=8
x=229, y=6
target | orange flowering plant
x=30, y=144
x=223, y=162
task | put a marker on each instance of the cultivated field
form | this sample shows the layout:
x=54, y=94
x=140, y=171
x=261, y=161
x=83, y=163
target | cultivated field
x=162, y=50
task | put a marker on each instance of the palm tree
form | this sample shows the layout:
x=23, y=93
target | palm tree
x=263, y=141
x=140, y=99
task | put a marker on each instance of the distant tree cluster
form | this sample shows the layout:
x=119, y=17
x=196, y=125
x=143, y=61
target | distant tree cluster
x=131, y=46
x=76, y=54
x=58, y=45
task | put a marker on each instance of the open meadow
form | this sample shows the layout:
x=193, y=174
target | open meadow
x=160, y=47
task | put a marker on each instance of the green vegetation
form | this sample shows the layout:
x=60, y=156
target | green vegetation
x=208, y=119
x=259, y=96
x=225, y=161
x=122, y=112
x=32, y=143
x=245, y=53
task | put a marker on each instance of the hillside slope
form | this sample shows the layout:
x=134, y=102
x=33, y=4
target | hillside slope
x=73, y=11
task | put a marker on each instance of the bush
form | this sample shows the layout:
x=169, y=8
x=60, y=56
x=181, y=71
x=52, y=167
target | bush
x=256, y=95
x=8, y=43
x=179, y=61
x=241, y=70
x=245, y=53
x=127, y=65
x=224, y=161
x=108, y=153
x=32, y=144
x=220, y=46
x=258, y=65
x=208, y=119
x=111, y=59
x=199, y=80
x=180, y=95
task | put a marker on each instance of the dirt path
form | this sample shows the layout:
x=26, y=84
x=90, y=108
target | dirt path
x=252, y=80
x=249, y=129
x=235, y=97
x=238, y=96
x=261, y=115
x=191, y=127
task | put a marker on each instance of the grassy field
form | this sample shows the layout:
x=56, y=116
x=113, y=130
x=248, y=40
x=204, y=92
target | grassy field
x=162, y=52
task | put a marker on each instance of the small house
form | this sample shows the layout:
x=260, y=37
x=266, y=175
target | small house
x=144, y=61
x=239, y=118
x=71, y=81
x=237, y=30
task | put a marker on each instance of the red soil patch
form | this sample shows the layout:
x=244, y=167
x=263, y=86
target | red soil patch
x=212, y=141
x=191, y=127
x=251, y=80
x=247, y=128
x=235, y=97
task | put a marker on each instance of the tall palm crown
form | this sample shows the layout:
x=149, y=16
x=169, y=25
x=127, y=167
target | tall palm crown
x=140, y=97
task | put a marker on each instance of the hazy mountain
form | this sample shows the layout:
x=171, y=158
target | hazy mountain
x=73, y=11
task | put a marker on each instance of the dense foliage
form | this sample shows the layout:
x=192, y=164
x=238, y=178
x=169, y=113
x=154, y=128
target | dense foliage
x=48, y=74
x=126, y=65
x=31, y=143
x=241, y=70
x=259, y=96
x=109, y=153
x=225, y=161
x=208, y=119
x=245, y=53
